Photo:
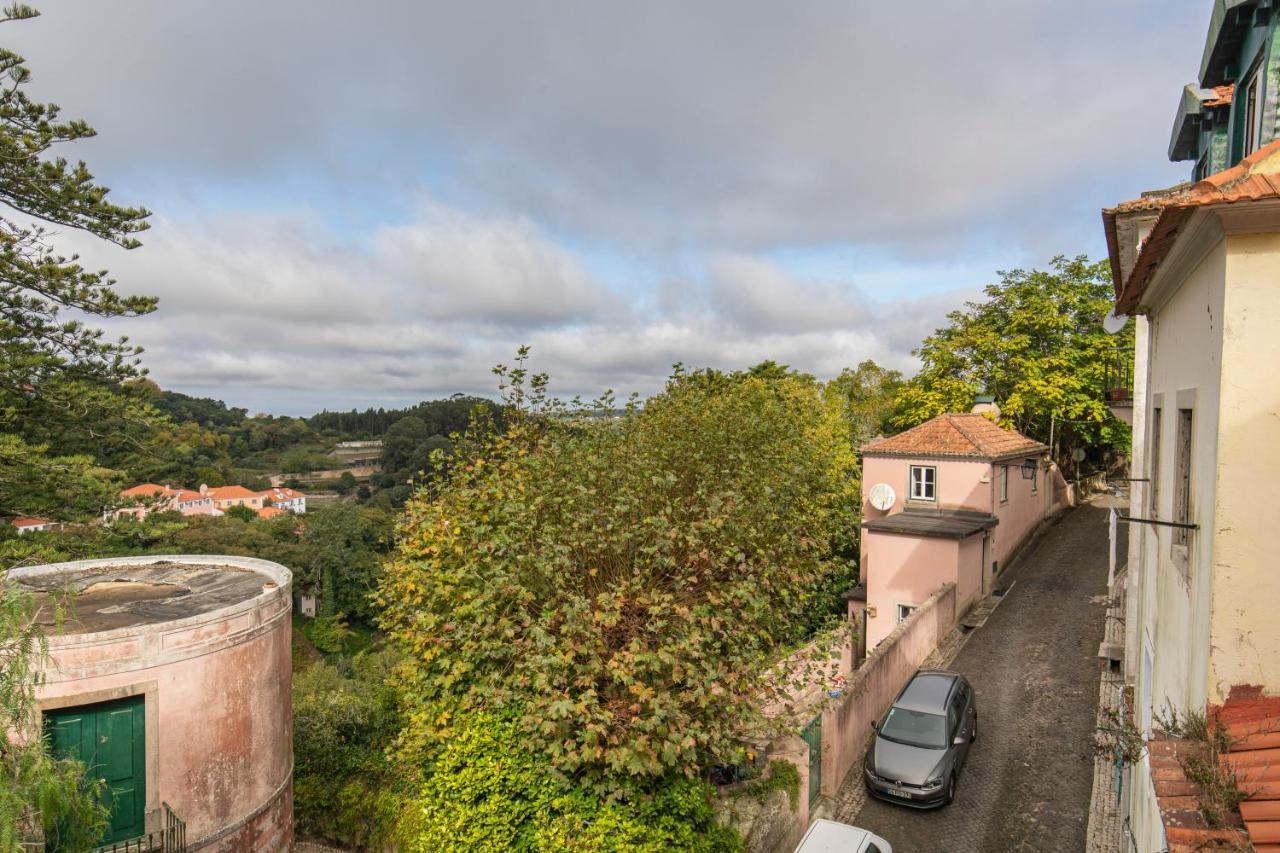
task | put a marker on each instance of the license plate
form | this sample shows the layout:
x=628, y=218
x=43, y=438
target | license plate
x=898, y=792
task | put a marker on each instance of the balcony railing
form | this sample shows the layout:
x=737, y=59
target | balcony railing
x=1117, y=383
x=171, y=838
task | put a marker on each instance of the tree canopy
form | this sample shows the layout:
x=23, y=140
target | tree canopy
x=624, y=580
x=60, y=392
x=1037, y=344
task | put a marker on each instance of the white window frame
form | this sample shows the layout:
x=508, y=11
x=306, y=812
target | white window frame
x=905, y=611
x=1004, y=484
x=928, y=483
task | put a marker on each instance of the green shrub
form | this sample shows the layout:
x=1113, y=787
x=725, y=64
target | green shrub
x=328, y=633
x=488, y=791
x=344, y=786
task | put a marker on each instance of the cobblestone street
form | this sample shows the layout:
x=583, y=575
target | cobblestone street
x=1034, y=667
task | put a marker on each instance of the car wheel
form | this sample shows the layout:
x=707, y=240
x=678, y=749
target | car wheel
x=974, y=734
x=951, y=790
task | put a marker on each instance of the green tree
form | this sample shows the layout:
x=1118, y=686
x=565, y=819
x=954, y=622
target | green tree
x=1036, y=343
x=340, y=556
x=346, y=482
x=60, y=380
x=625, y=580
x=38, y=793
x=242, y=513
x=865, y=394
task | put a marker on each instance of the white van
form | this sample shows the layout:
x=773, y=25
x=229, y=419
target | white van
x=827, y=836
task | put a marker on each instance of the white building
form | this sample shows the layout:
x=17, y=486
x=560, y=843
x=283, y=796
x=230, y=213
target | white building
x=1198, y=269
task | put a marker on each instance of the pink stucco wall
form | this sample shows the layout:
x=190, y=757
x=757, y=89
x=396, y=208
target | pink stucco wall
x=216, y=688
x=959, y=483
x=903, y=570
x=1021, y=512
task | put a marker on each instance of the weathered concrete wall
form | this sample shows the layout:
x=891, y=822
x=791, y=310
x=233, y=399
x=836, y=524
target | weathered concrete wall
x=216, y=687
x=770, y=824
x=1244, y=634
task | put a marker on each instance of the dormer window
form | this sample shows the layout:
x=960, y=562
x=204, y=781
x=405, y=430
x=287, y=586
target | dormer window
x=924, y=479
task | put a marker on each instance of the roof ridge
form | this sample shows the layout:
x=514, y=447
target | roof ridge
x=977, y=445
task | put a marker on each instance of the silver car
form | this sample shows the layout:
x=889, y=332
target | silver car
x=923, y=740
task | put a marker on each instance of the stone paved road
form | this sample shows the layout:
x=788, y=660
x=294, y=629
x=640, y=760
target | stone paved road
x=1034, y=668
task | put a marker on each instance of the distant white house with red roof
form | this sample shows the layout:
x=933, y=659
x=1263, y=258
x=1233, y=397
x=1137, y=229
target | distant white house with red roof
x=145, y=498
x=287, y=499
x=32, y=524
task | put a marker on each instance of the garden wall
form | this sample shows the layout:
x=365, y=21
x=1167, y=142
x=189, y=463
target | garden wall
x=846, y=723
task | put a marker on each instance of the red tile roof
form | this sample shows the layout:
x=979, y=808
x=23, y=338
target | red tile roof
x=146, y=490
x=278, y=493
x=1253, y=723
x=1255, y=178
x=962, y=435
x=1222, y=96
x=30, y=522
x=270, y=511
x=187, y=495
x=223, y=493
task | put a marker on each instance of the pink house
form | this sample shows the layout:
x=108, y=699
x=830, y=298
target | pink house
x=946, y=502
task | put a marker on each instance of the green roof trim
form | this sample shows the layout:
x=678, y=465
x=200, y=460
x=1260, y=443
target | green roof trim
x=1226, y=28
x=1184, y=144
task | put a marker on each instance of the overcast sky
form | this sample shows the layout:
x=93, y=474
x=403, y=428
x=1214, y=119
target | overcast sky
x=371, y=204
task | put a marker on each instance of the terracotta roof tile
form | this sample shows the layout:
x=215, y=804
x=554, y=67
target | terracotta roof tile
x=146, y=490
x=270, y=511
x=962, y=435
x=222, y=493
x=30, y=522
x=1255, y=178
x=1222, y=96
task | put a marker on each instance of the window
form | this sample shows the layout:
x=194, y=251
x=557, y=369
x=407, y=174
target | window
x=1182, y=485
x=1251, y=105
x=1004, y=483
x=1154, y=455
x=1035, y=478
x=905, y=610
x=914, y=728
x=953, y=717
x=923, y=480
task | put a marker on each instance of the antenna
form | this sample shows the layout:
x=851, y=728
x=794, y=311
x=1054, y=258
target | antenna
x=1113, y=324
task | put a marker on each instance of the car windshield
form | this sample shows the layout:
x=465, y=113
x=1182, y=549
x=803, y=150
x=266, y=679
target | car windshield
x=915, y=728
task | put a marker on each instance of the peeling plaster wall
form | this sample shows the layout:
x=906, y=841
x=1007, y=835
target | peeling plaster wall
x=1245, y=621
x=219, y=718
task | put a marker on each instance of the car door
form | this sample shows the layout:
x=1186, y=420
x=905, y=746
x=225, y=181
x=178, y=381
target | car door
x=962, y=712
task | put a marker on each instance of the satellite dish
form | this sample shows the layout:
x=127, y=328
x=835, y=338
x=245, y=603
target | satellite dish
x=1113, y=324
x=882, y=496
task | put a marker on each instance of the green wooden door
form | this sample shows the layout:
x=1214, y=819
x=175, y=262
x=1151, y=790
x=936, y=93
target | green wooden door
x=109, y=739
x=813, y=737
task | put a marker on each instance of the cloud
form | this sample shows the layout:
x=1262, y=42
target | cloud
x=375, y=204
x=725, y=124
x=271, y=314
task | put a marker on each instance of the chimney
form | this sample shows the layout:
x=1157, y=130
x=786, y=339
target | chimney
x=985, y=404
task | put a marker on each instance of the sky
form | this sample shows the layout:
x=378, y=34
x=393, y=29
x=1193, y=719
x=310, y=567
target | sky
x=372, y=204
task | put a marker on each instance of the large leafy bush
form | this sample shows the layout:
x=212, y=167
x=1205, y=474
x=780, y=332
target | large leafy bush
x=624, y=579
x=488, y=791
